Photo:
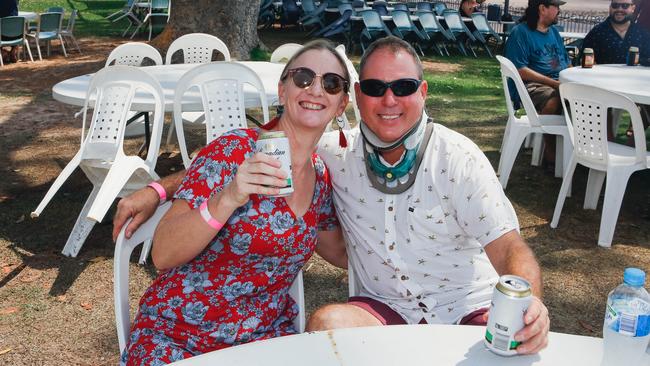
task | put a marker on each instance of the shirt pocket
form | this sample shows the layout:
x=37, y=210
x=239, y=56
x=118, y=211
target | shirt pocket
x=428, y=224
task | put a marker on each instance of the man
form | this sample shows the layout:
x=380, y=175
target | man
x=537, y=50
x=425, y=252
x=612, y=38
x=9, y=8
x=611, y=41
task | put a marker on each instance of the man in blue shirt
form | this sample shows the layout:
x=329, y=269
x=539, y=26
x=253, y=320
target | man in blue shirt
x=536, y=49
x=612, y=38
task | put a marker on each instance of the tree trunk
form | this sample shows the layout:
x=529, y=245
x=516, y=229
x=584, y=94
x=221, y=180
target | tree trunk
x=233, y=21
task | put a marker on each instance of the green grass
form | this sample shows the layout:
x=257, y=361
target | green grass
x=92, y=14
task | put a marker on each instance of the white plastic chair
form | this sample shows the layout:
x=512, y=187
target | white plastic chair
x=123, y=249
x=221, y=85
x=518, y=128
x=282, y=54
x=197, y=48
x=68, y=32
x=588, y=120
x=101, y=156
x=133, y=54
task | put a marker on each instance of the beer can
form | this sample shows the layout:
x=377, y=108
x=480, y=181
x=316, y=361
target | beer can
x=587, y=58
x=276, y=144
x=632, y=56
x=510, y=300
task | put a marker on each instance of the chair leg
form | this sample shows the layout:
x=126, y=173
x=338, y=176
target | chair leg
x=511, y=148
x=564, y=156
x=614, y=192
x=594, y=186
x=564, y=189
x=538, y=149
x=38, y=48
x=82, y=227
x=126, y=30
x=58, y=182
x=29, y=50
x=63, y=46
x=170, y=133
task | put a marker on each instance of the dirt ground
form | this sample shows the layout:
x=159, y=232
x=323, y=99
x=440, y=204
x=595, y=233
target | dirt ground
x=59, y=310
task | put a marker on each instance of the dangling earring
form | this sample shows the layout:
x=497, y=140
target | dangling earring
x=343, y=142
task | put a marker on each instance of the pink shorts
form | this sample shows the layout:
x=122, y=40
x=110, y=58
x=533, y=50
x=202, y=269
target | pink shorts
x=388, y=316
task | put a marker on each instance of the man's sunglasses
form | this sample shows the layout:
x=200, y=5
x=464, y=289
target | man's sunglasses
x=304, y=77
x=400, y=87
x=620, y=5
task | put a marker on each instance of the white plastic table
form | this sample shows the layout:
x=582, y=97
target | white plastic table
x=631, y=81
x=399, y=345
x=73, y=91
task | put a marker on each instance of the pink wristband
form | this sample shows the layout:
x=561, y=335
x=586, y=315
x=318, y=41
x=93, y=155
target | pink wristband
x=161, y=191
x=205, y=214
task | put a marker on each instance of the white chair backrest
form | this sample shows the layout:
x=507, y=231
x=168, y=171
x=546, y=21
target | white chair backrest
x=354, y=78
x=587, y=120
x=123, y=249
x=133, y=54
x=283, y=53
x=221, y=85
x=509, y=71
x=113, y=89
x=197, y=48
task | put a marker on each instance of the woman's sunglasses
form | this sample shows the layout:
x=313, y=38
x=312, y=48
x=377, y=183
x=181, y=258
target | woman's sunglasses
x=620, y=5
x=400, y=87
x=304, y=78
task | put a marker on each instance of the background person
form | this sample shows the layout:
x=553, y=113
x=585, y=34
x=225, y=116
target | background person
x=611, y=41
x=537, y=50
x=227, y=284
x=9, y=8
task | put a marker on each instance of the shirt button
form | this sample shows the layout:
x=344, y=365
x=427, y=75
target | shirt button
x=390, y=208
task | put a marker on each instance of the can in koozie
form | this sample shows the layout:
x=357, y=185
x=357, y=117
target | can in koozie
x=276, y=144
x=510, y=300
x=632, y=58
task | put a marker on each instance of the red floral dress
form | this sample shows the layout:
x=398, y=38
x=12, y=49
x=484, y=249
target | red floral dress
x=236, y=290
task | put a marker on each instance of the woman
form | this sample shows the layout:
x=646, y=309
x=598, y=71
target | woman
x=466, y=8
x=229, y=285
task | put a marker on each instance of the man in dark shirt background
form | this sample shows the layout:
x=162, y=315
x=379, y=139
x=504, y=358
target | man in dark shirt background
x=9, y=8
x=612, y=38
x=611, y=41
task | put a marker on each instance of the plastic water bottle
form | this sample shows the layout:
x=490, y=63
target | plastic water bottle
x=626, y=330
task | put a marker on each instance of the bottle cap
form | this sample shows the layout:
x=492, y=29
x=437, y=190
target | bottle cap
x=634, y=277
x=588, y=51
x=634, y=49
